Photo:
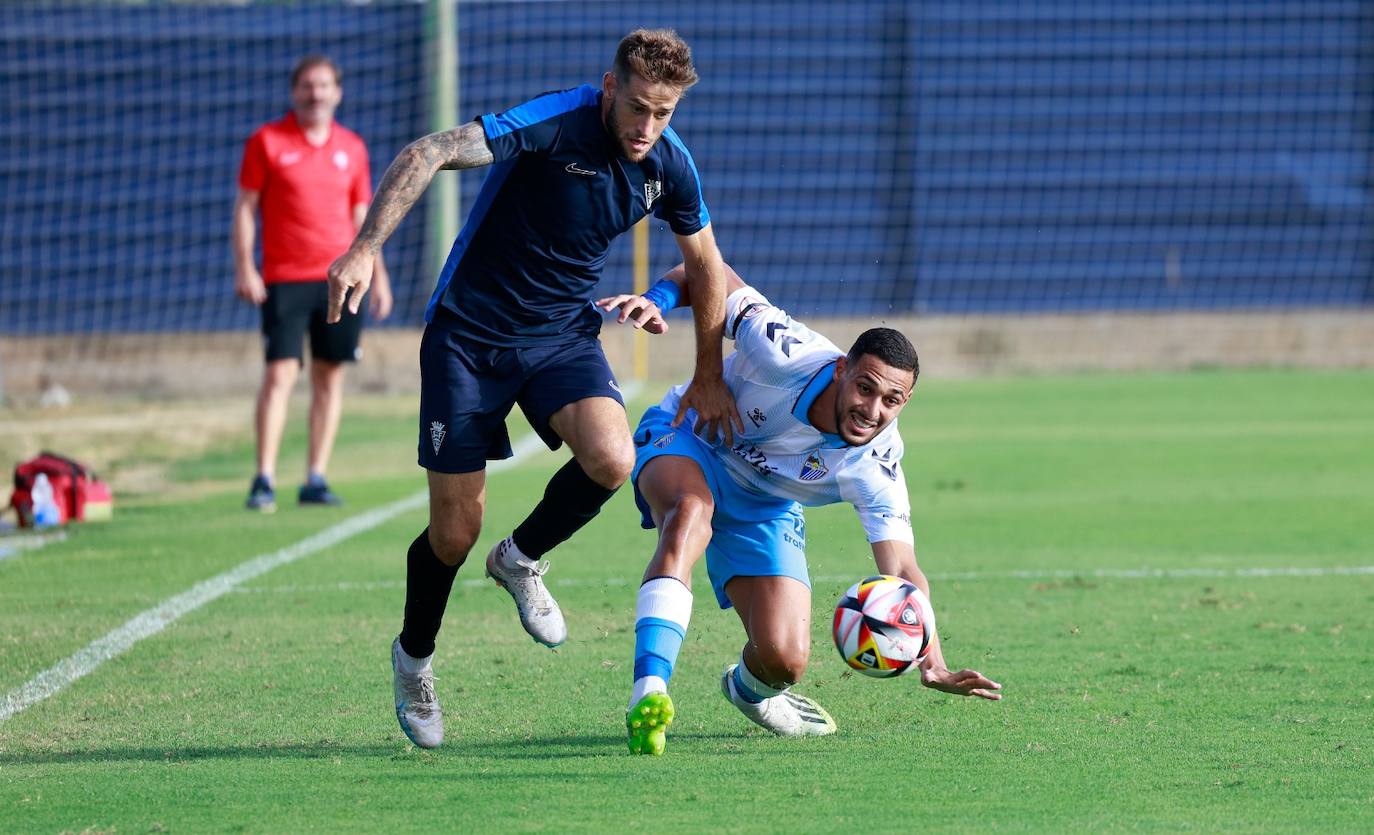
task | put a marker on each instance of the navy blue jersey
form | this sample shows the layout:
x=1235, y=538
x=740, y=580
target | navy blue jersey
x=525, y=267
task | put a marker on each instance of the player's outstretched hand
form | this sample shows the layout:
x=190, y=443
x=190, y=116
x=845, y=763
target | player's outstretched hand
x=351, y=271
x=643, y=313
x=715, y=408
x=962, y=683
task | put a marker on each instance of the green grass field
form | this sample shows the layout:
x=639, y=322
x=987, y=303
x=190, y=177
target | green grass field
x=1170, y=575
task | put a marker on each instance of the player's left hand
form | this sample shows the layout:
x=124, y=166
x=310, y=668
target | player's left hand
x=715, y=408
x=962, y=683
x=350, y=276
x=643, y=313
x=379, y=303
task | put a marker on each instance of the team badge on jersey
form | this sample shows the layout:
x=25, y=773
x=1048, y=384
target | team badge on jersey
x=341, y=160
x=436, y=435
x=653, y=189
x=814, y=467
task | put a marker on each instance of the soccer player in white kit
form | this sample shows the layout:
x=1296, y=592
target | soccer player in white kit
x=819, y=428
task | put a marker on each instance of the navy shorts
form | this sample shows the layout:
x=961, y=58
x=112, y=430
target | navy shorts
x=468, y=388
x=292, y=309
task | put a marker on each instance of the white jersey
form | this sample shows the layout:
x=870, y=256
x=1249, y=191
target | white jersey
x=778, y=369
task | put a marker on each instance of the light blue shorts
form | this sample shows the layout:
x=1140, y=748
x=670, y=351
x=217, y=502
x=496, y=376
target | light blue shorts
x=752, y=535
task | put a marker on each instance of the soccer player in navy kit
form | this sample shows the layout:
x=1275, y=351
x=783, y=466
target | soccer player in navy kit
x=512, y=322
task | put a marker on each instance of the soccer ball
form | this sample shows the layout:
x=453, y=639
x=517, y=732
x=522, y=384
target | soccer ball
x=883, y=626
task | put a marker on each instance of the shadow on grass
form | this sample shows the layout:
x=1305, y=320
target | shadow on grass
x=509, y=748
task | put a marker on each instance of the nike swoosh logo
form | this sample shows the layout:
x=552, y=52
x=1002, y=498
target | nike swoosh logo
x=572, y=168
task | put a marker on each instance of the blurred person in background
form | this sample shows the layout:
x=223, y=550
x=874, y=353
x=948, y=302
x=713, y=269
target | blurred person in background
x=309, y=178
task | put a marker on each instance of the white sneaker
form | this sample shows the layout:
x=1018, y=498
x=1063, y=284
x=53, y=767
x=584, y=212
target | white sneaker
x=785, y=714
x=417, y=708
x=523, y=578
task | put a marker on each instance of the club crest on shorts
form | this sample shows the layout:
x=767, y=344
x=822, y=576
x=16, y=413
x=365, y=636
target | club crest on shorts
x=814, y=467
x=436, y=435
x=653, y=189
x=662, y=443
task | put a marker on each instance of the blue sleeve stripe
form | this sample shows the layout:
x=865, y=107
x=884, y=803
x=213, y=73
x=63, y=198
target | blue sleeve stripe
x=496, y=177
x=814, y=387
x=538, y=109
x=672, y=137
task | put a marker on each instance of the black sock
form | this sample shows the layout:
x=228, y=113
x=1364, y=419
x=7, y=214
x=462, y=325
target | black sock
x=570, y=501
x=428, y=583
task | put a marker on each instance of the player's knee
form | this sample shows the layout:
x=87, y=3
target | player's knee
x=691, y=509
x=280, y=376
x=323, y=385
x=453, y=543
x=791, y=668
x=610, y=465
x=784, y=663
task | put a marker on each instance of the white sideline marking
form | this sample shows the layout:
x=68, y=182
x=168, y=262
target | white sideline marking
x=955, y=576
x=154, y=620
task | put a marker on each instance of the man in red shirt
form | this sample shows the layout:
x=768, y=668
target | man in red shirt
x=308, y=177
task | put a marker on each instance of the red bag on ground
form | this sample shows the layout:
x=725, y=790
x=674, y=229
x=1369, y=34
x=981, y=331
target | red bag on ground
x=77, y=492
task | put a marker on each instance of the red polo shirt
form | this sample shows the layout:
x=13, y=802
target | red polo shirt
x=307, y=196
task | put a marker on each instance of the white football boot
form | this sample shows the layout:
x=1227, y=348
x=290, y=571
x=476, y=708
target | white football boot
x=524, y=579
x=417, y=707
x=785, y=714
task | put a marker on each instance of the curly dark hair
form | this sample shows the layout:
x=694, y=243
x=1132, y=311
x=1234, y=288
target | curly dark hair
x=656, y=55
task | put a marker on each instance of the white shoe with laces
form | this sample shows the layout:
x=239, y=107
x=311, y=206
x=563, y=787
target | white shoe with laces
x=417, y=707
x=785, y=714
x=524, y=579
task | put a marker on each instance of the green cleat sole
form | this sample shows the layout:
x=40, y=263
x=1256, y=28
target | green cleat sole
x=647, y=724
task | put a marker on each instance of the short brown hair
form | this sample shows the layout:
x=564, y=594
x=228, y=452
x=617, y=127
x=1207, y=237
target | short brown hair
x=309, y=62
x=655, y=55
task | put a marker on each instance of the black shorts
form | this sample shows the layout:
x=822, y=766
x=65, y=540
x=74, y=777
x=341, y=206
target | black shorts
x=292, y=308
x=468, y=388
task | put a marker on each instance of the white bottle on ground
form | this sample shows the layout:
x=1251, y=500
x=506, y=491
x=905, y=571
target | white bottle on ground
x=45, y=513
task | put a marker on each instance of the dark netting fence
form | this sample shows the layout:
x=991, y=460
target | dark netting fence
x=865, y=158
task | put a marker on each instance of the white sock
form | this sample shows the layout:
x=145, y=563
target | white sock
x=758, y=687
x=644, y=686
x=512, y=553
x=412, y=666
x=663, y=609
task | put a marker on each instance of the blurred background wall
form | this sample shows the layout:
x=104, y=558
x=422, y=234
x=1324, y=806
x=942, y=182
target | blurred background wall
x=1021, y=186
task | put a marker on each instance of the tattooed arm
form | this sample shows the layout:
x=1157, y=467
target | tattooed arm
x=405, y=180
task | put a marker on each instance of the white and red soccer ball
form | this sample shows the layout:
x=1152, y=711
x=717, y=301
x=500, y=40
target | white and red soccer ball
x=883, y=626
